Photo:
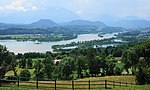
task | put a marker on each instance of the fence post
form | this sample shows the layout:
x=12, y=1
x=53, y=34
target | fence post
x=120, y=84
x=72, y=84
x=113, y=83
x=37, y=81
x=126, y=84
x=18, y=80
x=55, y=84
x=106, y=84
x=0, y=81
x=89, y=85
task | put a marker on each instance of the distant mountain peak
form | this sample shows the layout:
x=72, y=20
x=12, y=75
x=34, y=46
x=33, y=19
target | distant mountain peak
x=85, y=22
x=43, y=23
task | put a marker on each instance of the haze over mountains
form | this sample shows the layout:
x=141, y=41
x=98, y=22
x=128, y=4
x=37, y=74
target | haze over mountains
x=45, y=23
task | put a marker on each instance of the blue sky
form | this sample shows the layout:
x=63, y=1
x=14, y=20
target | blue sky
x=87, y=9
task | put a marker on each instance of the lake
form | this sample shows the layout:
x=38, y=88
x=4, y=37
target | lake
x=30, y=46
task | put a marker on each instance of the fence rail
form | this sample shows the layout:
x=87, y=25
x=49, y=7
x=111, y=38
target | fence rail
x=54, y=84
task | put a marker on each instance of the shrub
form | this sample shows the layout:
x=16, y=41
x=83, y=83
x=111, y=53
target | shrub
x=143, y=76
x=118, y=71
x=25, y=75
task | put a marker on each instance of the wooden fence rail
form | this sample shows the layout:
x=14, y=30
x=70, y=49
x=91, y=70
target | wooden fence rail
x=53, y=84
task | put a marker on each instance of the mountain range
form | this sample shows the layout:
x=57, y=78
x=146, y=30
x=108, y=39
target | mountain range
x=45, y=23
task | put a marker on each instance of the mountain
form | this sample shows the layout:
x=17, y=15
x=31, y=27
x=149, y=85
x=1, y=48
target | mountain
x=43, y=23
x=85, y=23
x=7, y=25
x=132, y=23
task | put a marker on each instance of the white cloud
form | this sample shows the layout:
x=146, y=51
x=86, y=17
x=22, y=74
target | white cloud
x=34, y=8
x=19, y=5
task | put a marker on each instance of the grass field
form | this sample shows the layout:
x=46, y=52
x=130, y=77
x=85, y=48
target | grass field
x=125, y=78
x=136, y=87
x=95, y=82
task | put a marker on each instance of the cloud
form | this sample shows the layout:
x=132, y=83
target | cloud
x=84, y=8
x=19, y=5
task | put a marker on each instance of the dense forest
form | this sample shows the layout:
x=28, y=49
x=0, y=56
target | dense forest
x=80, y=63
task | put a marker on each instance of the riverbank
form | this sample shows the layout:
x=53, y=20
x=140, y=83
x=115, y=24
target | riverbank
x=38, y=37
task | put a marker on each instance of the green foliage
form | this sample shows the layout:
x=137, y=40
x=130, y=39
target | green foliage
x=39, y=71
x=48, y=70
x=67, y=67
x=118, y=71
x=29, y=63
x=22, y=63
x=80, y=65
x=25, y=75
x=7, y=61
x=143, y=76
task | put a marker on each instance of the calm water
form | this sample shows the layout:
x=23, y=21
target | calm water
x=30, y=46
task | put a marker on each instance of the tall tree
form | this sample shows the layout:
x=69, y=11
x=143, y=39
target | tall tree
x=6, y=60
x=130, y=58
x=80, y=65
x=67, y=67
x=91, y=60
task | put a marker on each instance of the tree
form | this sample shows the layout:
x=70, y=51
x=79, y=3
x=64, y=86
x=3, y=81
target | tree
x=145, y=51
x=130, y=58
x=48, y=60
x=25, y=75
x=80, y=65
x=48, y=68
x=39, y=71
x=67, y=66
x=96, y=65
x=110, y=68
x=29, y=63
x=22, y=63
x=90, y=57
x=6, y=60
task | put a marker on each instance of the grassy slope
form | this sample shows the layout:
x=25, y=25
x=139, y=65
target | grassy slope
x=129, y=79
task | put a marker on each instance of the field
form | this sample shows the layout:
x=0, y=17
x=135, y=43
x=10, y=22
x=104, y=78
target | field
x=136, y=87
x=93, y=82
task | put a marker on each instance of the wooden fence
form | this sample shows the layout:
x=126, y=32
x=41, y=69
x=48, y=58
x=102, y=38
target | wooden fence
x=61, y=84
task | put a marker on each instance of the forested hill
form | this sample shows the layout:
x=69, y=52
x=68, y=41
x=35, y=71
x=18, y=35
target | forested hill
x=46, y=23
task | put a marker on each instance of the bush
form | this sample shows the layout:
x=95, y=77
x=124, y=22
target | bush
x=25, y=75
x=11, y=78
x=118, y=71
x=143, y=76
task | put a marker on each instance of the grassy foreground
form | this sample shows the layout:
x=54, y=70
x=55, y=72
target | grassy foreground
x=136, y=87
x=68, y=83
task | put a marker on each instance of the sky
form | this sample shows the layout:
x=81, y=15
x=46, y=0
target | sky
x=86, y=9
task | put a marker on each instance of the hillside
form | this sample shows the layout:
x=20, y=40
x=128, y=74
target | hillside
x=43, y=23
x=85, y=23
